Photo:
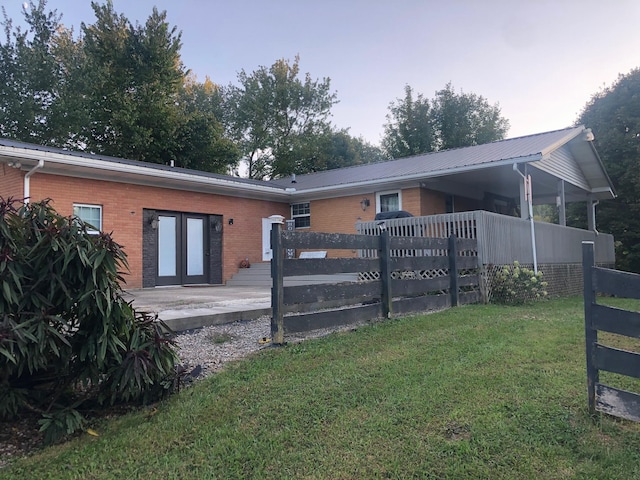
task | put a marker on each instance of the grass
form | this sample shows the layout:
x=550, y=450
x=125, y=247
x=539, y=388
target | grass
x=473, y=392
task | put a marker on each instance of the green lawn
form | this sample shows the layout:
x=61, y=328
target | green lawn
x=473, y=392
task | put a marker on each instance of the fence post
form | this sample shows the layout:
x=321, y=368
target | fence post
x=385, y=273
x=591, y=335
x=277, y=290
x=453, y=270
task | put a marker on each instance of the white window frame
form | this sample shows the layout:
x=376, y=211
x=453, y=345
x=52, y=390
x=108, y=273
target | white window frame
x=293, y=217
x=388, y=192
x=88, y=205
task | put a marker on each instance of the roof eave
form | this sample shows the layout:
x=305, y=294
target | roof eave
x=97, y=165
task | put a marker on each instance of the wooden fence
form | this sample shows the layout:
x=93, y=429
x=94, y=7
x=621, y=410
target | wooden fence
x=399, y=289
x=604, y=398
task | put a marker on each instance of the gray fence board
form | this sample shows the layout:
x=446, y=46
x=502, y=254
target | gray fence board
x=619, y=403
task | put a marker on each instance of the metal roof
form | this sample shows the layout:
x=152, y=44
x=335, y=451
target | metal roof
x=131, y=163
x=516, y=150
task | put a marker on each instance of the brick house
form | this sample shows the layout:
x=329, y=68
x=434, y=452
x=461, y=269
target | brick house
x=180, y=226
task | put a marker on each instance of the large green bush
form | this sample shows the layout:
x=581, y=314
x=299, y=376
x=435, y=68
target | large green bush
x=68, y=339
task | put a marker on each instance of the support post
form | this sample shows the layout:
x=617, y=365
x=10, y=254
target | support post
x=453, y=270
x=385, y=274
x=277, y=290
x=561, y=204
x=591, y=214
x=591, y=334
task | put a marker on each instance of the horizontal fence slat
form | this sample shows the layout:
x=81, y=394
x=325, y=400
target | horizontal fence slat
x=466, y=298
x=614, y=282
x=616, y=361
x=466, y=263
x=413, y=286
x=328, y=266
x=331, y=318
x=418, y=243
x=421, y=304
x=468, y=280
x=466, y=244
x=331, y=291
x=615, y=320
x=419, y=263
x=317, y=240
x=616, y=402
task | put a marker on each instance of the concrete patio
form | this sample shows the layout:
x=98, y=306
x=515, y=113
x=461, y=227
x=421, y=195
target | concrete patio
x=186, y=308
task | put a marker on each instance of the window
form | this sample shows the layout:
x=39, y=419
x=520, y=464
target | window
x=89, y=214
x=388, y=201
x=301, y=214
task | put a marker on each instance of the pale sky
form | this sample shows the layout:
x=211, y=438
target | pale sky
x=541, y=60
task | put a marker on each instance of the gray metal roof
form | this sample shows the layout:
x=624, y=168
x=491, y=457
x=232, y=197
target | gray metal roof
x=133, y=163
x=515, y=150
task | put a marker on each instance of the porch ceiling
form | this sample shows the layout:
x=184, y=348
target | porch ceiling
x=504, y=181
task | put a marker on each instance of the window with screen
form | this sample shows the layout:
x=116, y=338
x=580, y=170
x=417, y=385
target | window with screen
x=301, y=214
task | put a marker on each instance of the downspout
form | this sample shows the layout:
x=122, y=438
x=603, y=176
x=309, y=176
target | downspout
x=27, y=180
x=529, y=195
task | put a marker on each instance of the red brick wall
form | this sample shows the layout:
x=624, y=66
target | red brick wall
x=432, y=203
x=11, y=182
x=122, y=206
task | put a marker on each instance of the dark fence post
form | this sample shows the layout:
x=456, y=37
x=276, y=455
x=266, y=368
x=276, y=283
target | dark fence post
x=277, y=290
x=453, y=270
x=385, y=273
x=591, y=334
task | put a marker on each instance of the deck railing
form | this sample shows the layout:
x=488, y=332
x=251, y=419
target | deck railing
x=502, y=239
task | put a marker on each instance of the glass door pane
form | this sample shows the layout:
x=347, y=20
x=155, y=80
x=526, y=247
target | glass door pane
x=195, y=246
x=167, y=251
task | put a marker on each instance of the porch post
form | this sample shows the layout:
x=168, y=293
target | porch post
x=524, y=205
x=562, y=212
x=591, y=213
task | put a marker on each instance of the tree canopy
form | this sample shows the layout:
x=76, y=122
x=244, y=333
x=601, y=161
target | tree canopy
x=118, y=89
x=273, y=113
x=614, y=116
x=418, y=125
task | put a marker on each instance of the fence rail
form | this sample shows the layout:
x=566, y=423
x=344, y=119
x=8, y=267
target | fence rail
x=397, y=290
x=605, y=398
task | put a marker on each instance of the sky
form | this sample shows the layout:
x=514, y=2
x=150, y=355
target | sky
x=540, y=60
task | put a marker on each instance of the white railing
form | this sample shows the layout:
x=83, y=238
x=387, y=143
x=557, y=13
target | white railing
x=501, y=239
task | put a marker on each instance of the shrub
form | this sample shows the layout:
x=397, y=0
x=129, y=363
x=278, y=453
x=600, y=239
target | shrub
x=68, y=339
x=515, y=285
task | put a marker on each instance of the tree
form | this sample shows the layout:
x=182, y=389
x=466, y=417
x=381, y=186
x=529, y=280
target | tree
x=465, y=119
x=201, y=140
x=409, y=127
x=331, y=149
x=119, y=90
x=614, y=116
x=273, y=112
x=450, y=120
x=135, y=75
x=29, y=75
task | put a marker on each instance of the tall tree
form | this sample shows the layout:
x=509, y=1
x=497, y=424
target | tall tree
x=29, y=75
x=614, y=116
x=200, y=137
x=409, y=127
x=418, y=125
x=136, y=74
x=273, y=111
x=465, y=119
